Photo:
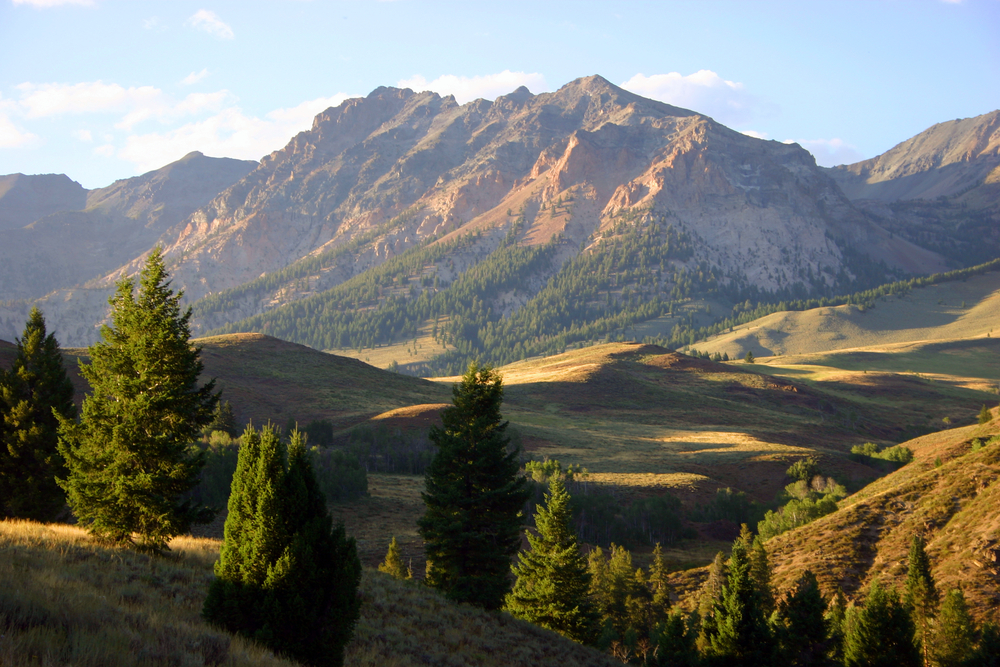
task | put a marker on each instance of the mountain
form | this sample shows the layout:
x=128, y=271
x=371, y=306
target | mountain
x=939, y=189
x=531, y=220
x=24, y=199
x=79, y=238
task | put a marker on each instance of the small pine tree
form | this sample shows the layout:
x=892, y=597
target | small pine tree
x=285, y=576
x=659, y=585
x=32, y=393
x=801, y=629
x=880, y=633
x=473, y=495
x=984, y=415
x=393, y=564
x=921, y=595
x=955, y=631
x=741, y=634
x=552, y=582
x=224, y=419
x=129, y=459
x=835, y=617
x=750, y=358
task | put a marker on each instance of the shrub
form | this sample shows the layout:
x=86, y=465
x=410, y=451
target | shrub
x=804, y=469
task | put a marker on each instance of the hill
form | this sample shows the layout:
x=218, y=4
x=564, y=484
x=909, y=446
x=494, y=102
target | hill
x=967, y=308
x=24, y=199
x=68, y=600
x=949, y=493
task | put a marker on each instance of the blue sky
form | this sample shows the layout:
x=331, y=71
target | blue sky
x=107, y=89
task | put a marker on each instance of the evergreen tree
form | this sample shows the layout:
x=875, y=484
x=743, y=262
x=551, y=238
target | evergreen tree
x=955, y=632
x=987, y=652
x=881, y=633
x=675, y=642
x=32, y=393
x=659, y=585
x=129, y=459
x=835, y=618
x=921, y=595
x=473, y=494
x=393, y=564
x=801, y=628
x=285, y=576
x=741, y=635
x=553, y=585
x=750, y=358
x=711, y=596
x=984, y=415
x=224, y=419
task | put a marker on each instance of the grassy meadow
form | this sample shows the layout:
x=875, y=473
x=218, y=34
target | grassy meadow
x=67, y=600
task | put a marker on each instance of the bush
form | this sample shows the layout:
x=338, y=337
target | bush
x=730, y=505
x=804, y=469
x=869, y=452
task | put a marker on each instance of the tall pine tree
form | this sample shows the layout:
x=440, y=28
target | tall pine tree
x=129, y=458
x=285, y=576
x=553, y=585
x=921, y=594
x=741, y=635
x=801, y=629
x=473, y=495
x=32, y=393
x=955, y=633
x=880, y=633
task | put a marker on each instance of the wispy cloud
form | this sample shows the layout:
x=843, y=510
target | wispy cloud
x=54, y=3
x=194, y=77
x=11, y=136
x=830, y=152
x=208, y=21
x=706, y=92
x=468, y=88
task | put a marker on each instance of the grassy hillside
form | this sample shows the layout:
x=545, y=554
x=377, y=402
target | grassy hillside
x=66, y=600
x=949, y=492
x=948, y=310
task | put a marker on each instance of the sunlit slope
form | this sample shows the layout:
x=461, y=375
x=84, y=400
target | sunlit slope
x=949, y=493
x=69, y=600
x=957, y=309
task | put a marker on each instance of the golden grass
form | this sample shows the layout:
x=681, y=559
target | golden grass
x=66, y=600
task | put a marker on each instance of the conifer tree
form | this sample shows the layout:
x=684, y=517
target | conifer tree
x=223, y=419
x=285, y=576
x=955, y=632
x=987, y=652
x=552, y=588
x=711, y=596
x=984, y=415
x=675, y=641
x=393, y=564
x=129, y=458
x=32, y=393
x=921, y=595
x=801, y=629
x=741, y=635
x=880, y=633
x=659, y=585
x=473, y=495
x=835, y=618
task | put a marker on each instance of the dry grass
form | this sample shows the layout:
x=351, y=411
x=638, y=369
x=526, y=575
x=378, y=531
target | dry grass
x=66, y=600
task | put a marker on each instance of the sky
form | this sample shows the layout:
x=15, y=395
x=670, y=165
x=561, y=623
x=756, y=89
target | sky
x=108, y=89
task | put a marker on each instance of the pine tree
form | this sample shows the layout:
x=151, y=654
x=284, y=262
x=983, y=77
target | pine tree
x=393, y=564
x=835, y=619
x=741, y=635
x=801, y=628
x=285, y=576
x=32, y=393
x=552, y=584
x=659, y=585
x=223, y=419
x=129, y=459
x=473, y=494
x=955, y=632
x=987, y=652
x=984, y=415
x=711, y=596
x=675, y=642
x=921, y=595
x=880, y=633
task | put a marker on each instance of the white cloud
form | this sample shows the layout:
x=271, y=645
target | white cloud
x=137, y=103
x=489, y=86
x=704, y=91
x=154, y=23
x=84, y=135
x=229, y=133
x=194, y=77
x=11, y=136
x=106, y=150
x=830, y=152
x=208, y=21
x=755, y=134
x=54, y=3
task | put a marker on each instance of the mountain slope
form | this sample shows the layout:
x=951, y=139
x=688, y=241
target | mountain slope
x=78, y=240
x=24, y=199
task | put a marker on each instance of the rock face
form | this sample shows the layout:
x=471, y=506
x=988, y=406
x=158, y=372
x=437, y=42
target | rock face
x=379, y=175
